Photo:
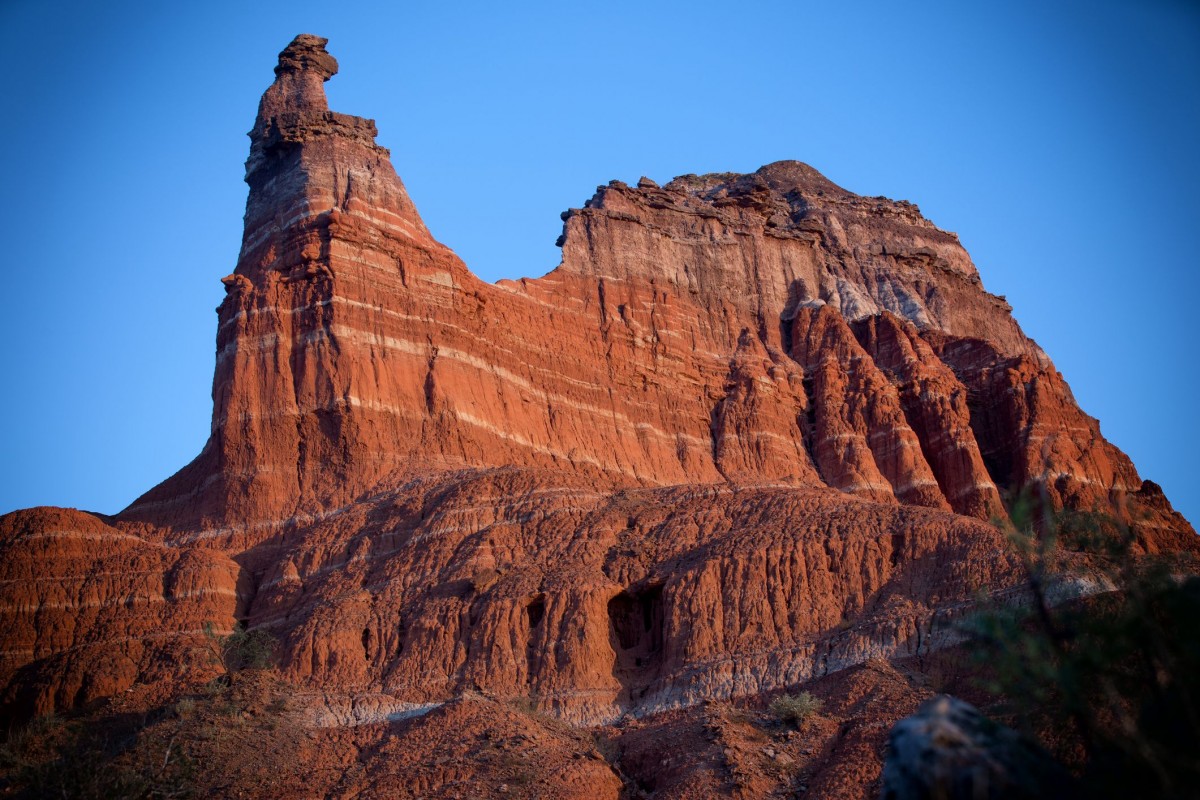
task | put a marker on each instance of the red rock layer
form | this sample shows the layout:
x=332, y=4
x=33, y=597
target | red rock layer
x=746, y=434
x=520, y=584
x=89, y=608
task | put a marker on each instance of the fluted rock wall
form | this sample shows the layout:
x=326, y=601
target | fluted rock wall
x=522, y=583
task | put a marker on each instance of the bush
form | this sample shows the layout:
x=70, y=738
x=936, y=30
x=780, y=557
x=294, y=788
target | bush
x=242, y=649
x=795, y=708
x=1117, y=673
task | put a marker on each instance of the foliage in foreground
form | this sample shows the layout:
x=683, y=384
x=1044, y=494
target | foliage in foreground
x=1116, y=673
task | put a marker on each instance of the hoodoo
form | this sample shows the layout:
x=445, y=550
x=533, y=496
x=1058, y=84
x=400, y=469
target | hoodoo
x=753, y=430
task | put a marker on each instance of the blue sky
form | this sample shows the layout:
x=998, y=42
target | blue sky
x=1057, y=139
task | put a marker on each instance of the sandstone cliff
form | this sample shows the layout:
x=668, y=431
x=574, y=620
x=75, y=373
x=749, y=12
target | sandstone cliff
x=752, y=430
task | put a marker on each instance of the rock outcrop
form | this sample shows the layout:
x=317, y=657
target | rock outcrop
x=949, y=750
x=751, y=431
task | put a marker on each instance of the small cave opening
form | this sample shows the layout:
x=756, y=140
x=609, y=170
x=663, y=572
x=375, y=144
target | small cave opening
x=535, y=610
x=366, y=643
x=81, y=694
x=897, y=548
x=636, y=635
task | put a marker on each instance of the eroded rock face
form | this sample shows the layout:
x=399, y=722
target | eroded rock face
x=695, y=333
x=519, y=583
x=751, y=431
x=88, y=608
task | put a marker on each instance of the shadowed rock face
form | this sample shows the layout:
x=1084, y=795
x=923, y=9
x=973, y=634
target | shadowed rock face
x=749, y=432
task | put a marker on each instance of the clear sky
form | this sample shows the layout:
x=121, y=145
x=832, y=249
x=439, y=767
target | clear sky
x=1058, y=139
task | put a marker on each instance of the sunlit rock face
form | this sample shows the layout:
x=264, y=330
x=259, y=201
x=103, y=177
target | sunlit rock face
x=753, y=430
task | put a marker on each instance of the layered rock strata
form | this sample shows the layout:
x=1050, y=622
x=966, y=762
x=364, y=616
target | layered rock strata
x=751, y=430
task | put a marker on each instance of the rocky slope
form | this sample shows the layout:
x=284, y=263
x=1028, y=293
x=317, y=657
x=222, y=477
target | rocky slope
x=751, y=431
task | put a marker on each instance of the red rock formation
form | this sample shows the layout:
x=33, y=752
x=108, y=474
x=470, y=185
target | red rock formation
x=749, y=432
x=89, y=608
x=935, y=404
x=672, y=346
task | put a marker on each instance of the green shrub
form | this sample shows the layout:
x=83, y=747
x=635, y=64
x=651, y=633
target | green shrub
x=795, y=708
x=242, y=649
x=1116, y=673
